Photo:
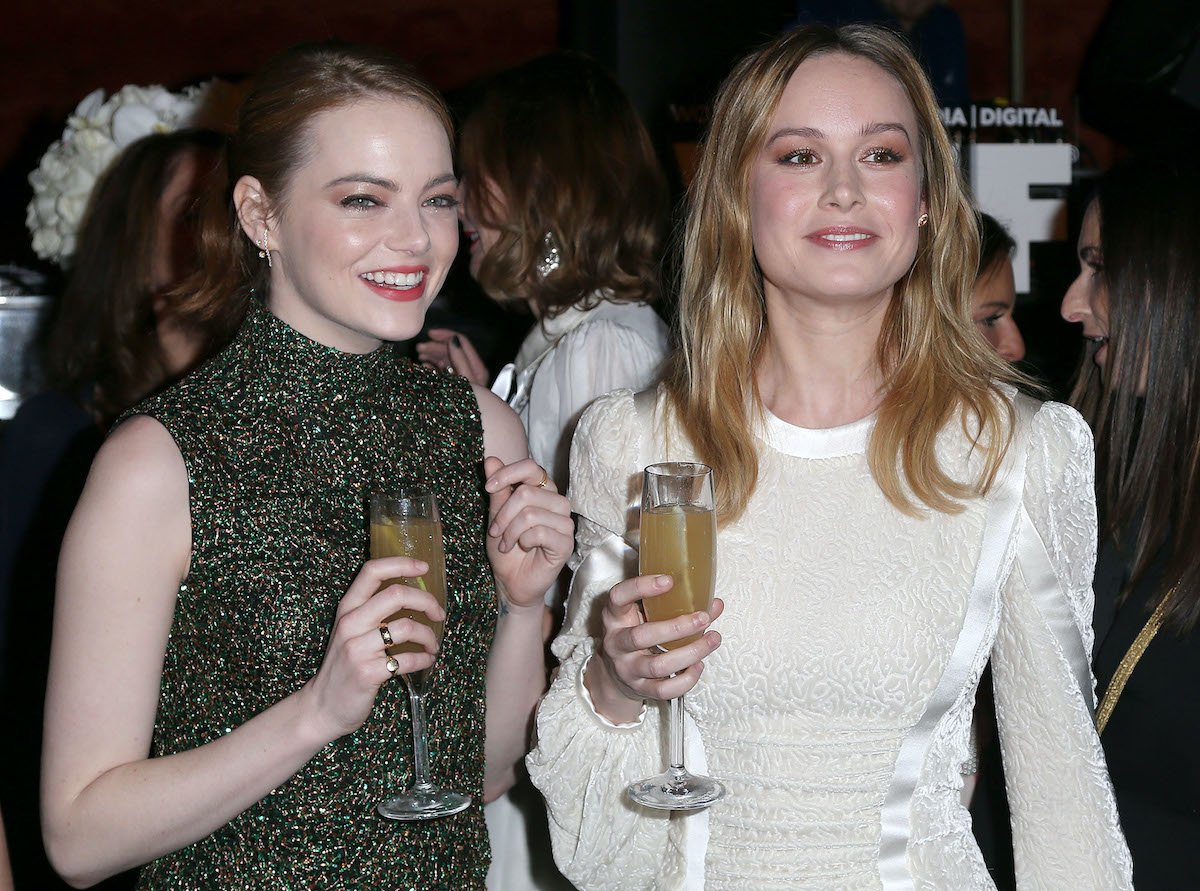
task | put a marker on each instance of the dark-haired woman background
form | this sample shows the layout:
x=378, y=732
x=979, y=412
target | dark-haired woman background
x=1138, y=299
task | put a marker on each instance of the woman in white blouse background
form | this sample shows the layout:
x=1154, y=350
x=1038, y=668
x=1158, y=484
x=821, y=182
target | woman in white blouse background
x=890, y=513
x=564, y=207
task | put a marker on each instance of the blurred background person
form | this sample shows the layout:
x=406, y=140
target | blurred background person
x=995, y=293
x=1137, y=298
x=112, y=339
x=564, y=210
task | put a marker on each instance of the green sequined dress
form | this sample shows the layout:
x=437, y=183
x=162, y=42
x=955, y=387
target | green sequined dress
x=283, y=439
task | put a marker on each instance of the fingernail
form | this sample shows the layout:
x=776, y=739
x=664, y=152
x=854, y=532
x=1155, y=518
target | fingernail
x=701, y=619
x=494, y=530
x=662, y=581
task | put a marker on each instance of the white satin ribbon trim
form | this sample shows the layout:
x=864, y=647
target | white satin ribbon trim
x=503, y=384
x=586, y=696
x=1054, y=607
x=998, y=530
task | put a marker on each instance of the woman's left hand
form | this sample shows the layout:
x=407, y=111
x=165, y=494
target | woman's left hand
x=530, y=532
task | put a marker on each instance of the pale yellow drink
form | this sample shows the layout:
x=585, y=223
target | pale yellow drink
x=420, y=538
x=679, y=541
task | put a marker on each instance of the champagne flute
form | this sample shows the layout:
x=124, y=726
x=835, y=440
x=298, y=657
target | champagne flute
x=406, y=524
x=678, y=538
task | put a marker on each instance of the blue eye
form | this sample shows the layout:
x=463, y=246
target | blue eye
x=442, y=201
x=359, y=202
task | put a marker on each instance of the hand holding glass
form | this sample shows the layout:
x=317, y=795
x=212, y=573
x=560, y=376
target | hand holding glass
x=678, y=538
x=406, y=524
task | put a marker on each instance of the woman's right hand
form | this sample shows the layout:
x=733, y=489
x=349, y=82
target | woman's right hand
x=355, y=666
x=632, y=667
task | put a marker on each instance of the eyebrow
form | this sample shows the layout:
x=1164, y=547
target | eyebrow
x=389, y=184
x=867, y=130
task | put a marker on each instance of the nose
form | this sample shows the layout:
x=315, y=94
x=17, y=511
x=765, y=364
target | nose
x=408, y=232
x=1075, y=305
x=843, y=188
x=1011, y=345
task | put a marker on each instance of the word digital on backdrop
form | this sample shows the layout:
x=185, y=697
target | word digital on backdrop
x=1020, y=170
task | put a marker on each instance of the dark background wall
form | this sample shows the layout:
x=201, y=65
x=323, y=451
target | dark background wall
x=54, y=52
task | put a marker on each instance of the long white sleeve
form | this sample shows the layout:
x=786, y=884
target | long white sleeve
x=1066, y=831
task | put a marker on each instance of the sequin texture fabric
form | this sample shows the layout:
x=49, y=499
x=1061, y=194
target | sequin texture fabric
x=283, y=440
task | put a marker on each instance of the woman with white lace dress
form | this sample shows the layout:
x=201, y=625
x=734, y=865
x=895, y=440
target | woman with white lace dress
x=891, y=512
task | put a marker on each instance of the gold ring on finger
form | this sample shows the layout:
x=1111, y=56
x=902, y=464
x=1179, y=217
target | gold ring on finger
x=392, y=665
x=545, y=479
x=386, y=635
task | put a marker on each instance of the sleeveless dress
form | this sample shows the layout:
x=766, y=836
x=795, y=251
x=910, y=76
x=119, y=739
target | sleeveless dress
x=283, y=440
x=837, y=709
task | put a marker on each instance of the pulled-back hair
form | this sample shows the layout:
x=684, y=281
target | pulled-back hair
x=568, y=156
x=273, y=141
x=102, y=335
x=935, y=364
x=1144, y=405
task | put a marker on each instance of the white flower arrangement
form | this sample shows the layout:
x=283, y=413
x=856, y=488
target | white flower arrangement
x=96, y=132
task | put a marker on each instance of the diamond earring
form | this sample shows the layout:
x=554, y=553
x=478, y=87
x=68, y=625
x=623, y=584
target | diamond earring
x=922, y=220
x=263, y=251
x=551, y=257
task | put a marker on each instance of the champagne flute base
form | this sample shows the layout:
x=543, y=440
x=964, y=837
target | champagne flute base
x=423, y=804
x=676, y=790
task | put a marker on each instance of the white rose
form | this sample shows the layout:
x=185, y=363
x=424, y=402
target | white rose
x=131, y=122
x=43, y=207
x=70, y=208
x=53, y=167
x=92, y=111
x=46, y=244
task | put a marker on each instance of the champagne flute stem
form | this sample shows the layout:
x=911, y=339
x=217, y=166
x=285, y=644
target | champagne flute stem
x=416, y=708
x=676, y=736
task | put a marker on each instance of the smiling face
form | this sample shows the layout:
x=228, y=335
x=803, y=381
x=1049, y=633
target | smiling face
x=1086, y=300
x=481, y=238
x=368, y=227
x=835, y=194
x=992, y=304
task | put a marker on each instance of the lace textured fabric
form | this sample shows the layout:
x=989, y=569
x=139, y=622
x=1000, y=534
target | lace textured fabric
x=841, y=616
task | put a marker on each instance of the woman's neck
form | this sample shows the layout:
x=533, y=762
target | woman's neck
x=820, y=369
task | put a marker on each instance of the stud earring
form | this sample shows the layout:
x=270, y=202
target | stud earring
x=263, y=251
x=922, y=220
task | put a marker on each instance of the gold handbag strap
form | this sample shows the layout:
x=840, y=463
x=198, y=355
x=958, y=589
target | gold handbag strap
x=1129, y=661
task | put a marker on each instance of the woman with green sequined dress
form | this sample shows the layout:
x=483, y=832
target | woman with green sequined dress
x=221, y=707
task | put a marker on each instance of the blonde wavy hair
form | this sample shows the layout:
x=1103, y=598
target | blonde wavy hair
x=933, y=361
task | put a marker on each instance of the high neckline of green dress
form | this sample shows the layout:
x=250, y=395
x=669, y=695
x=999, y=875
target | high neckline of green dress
x=309, y=365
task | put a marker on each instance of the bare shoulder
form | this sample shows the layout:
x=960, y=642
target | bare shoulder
x=503, y=434
x=138, y=486
x=141, y=458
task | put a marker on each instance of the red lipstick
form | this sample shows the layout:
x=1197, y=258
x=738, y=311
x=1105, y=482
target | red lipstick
x=407, y=285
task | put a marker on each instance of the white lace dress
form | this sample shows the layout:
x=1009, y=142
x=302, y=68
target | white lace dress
x=837, y=709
